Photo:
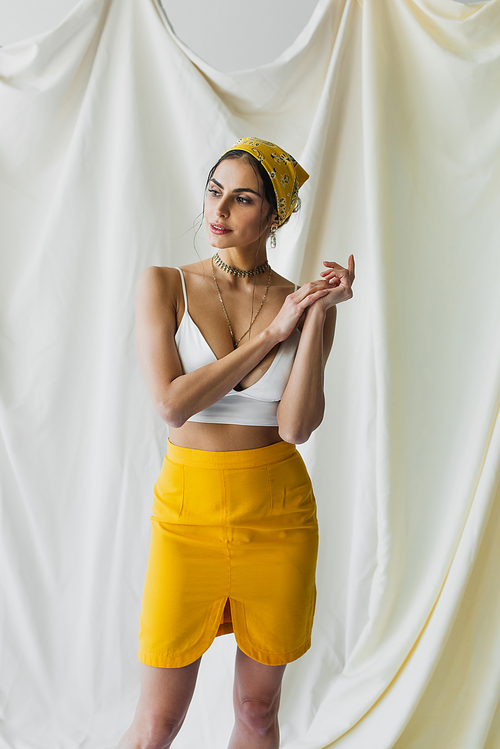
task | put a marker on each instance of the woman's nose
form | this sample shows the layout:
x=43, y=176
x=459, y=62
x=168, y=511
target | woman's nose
x=222, y=208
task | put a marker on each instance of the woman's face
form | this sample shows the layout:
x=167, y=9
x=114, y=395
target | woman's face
x=236, y=212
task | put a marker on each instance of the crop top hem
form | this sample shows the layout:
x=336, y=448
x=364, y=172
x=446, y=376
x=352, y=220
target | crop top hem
x=234, y=420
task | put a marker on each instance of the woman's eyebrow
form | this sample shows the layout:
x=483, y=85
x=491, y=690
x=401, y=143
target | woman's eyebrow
x=238, y=189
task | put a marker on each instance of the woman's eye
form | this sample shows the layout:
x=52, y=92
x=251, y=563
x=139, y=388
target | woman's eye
x=239, y=198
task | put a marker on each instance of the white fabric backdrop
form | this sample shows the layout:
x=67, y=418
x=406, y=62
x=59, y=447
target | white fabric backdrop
x=109, y=126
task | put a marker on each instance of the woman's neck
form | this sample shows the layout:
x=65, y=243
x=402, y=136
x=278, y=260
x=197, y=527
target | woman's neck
x=243, y=259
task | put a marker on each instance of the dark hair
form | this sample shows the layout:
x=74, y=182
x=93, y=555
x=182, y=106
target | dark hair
x=269, y=193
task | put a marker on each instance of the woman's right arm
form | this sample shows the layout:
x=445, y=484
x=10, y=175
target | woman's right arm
x=177, y=396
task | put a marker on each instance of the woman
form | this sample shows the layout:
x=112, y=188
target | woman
x=233, y=357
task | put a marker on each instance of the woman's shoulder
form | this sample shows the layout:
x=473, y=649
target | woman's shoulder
x=282, y=282
x=164, y=274
x=159, y=285
x=155, y=279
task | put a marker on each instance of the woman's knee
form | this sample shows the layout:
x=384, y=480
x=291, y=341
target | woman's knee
x=260, y=715
x=163, y=704
x=156, y=732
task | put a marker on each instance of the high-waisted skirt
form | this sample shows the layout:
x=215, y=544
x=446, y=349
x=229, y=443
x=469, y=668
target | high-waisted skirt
x=234, y=545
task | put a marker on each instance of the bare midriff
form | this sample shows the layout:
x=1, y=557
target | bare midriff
x=222, y=437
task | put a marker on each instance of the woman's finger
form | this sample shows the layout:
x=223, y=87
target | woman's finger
x=334, y=268
x=312, y=297
x=331, y=264
x=350, y=264
x=307, y=288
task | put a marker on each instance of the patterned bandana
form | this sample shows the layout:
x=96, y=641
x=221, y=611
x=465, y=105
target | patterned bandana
x=286, y=174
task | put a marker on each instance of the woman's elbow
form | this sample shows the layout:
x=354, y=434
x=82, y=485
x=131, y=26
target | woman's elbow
x=294, y=437
x=297, y=440
x=299, y=433
x=171, y=414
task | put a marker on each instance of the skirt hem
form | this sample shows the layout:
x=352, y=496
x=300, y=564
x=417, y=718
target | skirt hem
x=164, y=660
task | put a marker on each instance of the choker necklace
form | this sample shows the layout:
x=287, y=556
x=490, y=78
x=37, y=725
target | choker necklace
x=237, y=271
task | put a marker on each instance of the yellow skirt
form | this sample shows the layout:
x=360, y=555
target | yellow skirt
x=234, y=545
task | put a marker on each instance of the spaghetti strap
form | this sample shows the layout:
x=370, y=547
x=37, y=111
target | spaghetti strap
x=183, y=288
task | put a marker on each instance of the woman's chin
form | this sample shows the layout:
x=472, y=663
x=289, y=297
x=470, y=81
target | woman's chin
x=217, y=242
x=220, y=242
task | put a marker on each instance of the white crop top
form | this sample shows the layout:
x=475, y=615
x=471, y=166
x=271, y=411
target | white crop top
x=255, y=405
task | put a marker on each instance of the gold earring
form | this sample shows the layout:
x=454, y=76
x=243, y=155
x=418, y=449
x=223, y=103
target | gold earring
x=272, y=243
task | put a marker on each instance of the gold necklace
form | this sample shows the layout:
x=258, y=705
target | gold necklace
x=223, y=307
x=237, y=271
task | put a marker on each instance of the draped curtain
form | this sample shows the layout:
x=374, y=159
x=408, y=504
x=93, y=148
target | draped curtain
x=109, y=125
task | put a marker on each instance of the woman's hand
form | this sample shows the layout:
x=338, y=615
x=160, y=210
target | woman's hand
x=294, y=306
x=340, y=281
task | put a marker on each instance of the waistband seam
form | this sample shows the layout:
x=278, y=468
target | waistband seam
x=253, y=457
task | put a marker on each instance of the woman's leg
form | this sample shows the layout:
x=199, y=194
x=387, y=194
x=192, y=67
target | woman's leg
x=256, y=696
x=162, y=707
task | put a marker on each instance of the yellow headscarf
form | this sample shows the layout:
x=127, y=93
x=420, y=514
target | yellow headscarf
x=286, y=174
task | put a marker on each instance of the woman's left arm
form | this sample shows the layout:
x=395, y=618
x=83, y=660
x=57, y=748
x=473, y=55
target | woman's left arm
x=302, y=405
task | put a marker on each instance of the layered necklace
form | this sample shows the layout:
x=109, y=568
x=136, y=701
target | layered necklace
x=238, y=272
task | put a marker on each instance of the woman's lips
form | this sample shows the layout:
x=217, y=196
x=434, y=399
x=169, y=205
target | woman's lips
x=219, y=229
